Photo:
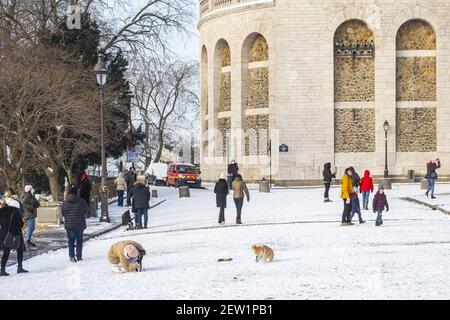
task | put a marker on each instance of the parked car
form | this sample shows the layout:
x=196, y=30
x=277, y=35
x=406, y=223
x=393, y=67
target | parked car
x=183, y=174
x=156, y=173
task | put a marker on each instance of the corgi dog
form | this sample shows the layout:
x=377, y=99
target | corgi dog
x=263, y=253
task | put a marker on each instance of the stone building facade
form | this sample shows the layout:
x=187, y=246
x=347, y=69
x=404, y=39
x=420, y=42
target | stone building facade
x=322, y=77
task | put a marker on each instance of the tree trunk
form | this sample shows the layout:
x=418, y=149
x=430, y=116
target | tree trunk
x=54, y=183
x=160, y=147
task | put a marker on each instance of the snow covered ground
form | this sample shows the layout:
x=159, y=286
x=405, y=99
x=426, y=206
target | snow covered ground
x=315, y=258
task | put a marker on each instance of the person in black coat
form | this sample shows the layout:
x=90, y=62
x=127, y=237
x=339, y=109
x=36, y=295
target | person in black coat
x=140, y=195
x=130, y=179
x=328, y=176
x=74, y=212
x=11, y=221
x=233, y=171
x=221, y=190
x=85, y=188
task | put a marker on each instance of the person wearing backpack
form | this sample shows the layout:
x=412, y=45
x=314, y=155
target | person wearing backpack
x=11, y=223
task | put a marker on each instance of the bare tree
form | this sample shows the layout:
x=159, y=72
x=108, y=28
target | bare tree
x=164, y=95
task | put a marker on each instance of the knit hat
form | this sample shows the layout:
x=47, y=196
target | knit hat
x=380, y=187
x=130, y=251
x=28, y=187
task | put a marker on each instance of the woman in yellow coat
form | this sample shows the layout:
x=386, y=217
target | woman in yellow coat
x=346, y=191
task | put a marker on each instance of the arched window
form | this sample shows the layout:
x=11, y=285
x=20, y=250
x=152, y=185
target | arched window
x=222, y=99
x=256, y=94
x=204, y=96
x=354, y=87
x=416, y=87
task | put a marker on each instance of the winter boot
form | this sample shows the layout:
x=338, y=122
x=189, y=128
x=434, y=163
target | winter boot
x=79, y=259
x=138, y=226
x=433, y=197
x=238, y=221
x=377, y=223
x=326, y=200
x=31, y=244
x=3, y=273
x=426, y=193
x=362, y=221
x=20, y=269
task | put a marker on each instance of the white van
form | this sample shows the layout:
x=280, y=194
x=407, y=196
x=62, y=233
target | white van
x=156, y=173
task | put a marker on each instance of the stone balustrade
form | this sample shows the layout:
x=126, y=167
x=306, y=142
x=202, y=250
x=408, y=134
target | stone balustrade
x=209, y=6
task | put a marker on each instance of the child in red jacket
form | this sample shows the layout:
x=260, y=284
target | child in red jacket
x=366, y=188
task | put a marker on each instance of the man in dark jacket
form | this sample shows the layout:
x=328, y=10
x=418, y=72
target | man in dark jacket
x=233, y=171
x=74, y=211
x=140, y=195
x=130, y=179
x=221, y=190
x=85, y=188
x=11, y=221
x=327, y=178
x=432, y=176
x=30, y=205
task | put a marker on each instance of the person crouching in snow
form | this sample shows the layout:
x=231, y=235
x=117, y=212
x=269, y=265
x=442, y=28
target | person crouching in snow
x=366, y=189
x=126, y=256
x=379, y=203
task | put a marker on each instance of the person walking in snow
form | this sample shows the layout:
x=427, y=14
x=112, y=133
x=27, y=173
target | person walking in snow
x=379, y=204
x=356, y=208
x=239, y=189
x=432, y=176
x=121, y=187
x=366, y=188
x=346, y=190
x=85, y=188
x=140, y=195
x=126, y=256
x=74, y=212
x=221, y=190
x=11, y=221
x=327, y=178
x=30, y=205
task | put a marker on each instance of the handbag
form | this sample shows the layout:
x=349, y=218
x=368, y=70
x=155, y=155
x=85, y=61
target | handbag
x=434, y=175
x=11, y=241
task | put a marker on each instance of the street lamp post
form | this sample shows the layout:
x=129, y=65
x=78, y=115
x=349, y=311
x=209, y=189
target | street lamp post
x=101, y=73
x=386, y=129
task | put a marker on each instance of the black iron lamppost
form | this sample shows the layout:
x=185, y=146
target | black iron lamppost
x=101, y=73
x=386, y=129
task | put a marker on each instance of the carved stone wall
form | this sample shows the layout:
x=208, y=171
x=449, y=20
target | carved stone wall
x=256, y=135
x=205, y=136
x=354, y=130
x=222, y=125
x=416, y=130
x=225, y=92
x=258, y=88
x=416, y=35
x=416, y=79
x=354, y=80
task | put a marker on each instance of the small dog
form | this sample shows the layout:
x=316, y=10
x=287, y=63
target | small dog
x=130, y=227
x=263, y=253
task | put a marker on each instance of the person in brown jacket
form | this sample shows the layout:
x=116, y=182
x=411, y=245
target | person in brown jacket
x=121, y=187
x=240, y=188
x=124, y=256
